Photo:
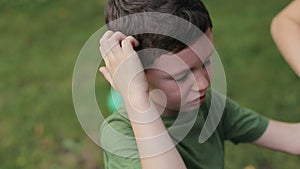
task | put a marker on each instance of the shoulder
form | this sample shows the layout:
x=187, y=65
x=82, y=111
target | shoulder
x=242, y=124
x=235, y=122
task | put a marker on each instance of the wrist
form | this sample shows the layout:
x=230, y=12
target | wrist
x=138, y=101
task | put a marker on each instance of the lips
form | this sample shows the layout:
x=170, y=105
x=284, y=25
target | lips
x=202, y=98
x=199, y=100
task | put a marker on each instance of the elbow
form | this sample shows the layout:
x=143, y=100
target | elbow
x=275, y=24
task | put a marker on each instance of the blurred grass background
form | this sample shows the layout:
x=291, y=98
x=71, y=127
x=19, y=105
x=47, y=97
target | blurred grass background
x=41, y=39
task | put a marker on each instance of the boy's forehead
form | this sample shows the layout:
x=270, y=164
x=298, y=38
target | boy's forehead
x=196, y=53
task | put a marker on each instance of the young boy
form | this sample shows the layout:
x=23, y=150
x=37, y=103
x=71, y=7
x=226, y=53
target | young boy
x=176, y=81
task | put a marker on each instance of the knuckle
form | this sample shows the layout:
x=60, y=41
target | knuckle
x=105, y=35
x=125, y=41
x=100, y=48
x=109, y=31
x=102, y=51
x=101, y=41
x=117, y=35
x=103, y=48
x=109, y=45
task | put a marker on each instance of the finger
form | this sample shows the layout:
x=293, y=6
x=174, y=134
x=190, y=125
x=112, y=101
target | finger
x=113, y=43
x=106, y=36
x=116, y=49
x=117, y=37
x=106, y=60
x=133, y=41
x=106, y=75
x=127, y=45
x=104, y=47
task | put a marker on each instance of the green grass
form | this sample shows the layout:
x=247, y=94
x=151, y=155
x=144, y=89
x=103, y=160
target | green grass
x=41, y=39
x=40, y=42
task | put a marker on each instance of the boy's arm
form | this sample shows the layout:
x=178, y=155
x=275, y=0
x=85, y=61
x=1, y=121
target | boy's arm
x=281, y=136
x=285, y=30
x=125, y=73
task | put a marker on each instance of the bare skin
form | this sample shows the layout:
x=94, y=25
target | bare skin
x=124, y=71
x=281, y=136
x=136, y=98
x=285, y=30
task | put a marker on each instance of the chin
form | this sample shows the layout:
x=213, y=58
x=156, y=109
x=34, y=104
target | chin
x=190, y=108
x=184, y=108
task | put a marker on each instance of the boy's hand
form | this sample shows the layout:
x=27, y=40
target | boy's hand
x=123, y=68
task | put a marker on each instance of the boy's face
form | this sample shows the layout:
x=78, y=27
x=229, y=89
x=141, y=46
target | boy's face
x=184, y=77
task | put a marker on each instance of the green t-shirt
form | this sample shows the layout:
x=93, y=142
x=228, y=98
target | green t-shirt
x=237, y=124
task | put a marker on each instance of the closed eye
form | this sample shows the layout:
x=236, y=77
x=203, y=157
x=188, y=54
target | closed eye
x=206, y=63
x=184, y=77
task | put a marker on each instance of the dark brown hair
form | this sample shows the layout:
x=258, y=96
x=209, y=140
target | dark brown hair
x=192, y=11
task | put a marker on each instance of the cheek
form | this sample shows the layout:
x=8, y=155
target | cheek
x=210, y=72
x=169, y=87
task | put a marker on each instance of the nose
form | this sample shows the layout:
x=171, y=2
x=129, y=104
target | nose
x=201, y=80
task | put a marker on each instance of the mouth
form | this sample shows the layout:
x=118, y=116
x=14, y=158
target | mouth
x=202, y=98
x=199, y=100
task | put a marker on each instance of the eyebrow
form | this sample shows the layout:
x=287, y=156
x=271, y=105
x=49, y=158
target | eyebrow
x=182, y=72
